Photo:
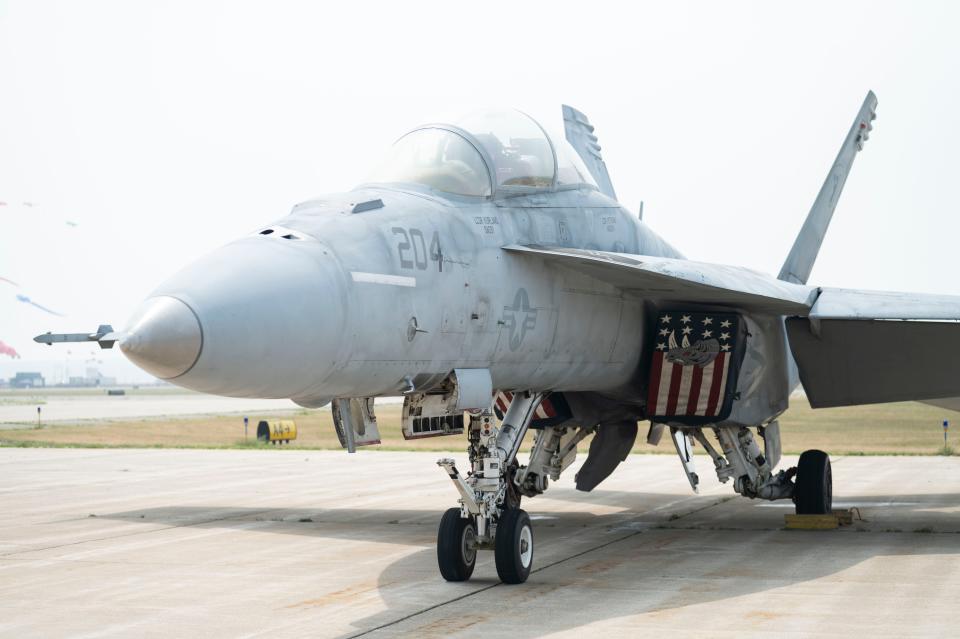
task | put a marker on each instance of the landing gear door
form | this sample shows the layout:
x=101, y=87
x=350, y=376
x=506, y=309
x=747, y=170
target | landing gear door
x=440, y=412
x=429, y=416
x=356, y=422
x=684, y=449
x=474, y=388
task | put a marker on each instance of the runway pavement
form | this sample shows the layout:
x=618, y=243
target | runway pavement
x=157, y=543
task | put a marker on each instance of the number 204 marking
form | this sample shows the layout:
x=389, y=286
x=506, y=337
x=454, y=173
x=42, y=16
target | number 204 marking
x=412, y=249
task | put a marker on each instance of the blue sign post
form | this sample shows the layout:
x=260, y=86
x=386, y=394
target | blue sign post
x=246, y=420
x=946, y=425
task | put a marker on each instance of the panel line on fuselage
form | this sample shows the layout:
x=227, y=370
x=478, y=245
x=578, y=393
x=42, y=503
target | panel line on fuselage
x=383, y=278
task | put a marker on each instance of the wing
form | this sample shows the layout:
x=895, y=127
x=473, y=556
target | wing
x=950, y=403
x=681, y=280
x=851, y=346
x=866, y=347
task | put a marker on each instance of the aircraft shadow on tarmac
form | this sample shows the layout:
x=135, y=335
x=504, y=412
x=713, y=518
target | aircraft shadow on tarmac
x=704, y=549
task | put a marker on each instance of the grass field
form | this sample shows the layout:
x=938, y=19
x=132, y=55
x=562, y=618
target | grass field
x=906, y=428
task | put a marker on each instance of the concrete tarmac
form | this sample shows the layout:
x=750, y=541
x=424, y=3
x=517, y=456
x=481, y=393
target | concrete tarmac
x=161, y=543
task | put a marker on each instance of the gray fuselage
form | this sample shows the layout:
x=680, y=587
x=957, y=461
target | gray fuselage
x=331, y=303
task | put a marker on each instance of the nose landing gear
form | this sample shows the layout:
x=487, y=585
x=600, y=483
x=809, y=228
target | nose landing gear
x=456, y=546
x=489, y=516
x=514, y=547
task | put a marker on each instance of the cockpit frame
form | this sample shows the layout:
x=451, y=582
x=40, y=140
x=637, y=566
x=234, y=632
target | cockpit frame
x=497, y=189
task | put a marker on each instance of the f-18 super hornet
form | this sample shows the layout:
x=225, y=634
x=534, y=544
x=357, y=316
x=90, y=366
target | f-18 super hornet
x=487, y=273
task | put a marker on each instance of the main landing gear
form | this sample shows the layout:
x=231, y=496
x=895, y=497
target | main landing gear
x=809, y=484
x=490, y=517
x=813, y=494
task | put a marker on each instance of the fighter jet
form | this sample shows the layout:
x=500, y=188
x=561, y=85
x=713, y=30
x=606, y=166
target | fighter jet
x=487, y=273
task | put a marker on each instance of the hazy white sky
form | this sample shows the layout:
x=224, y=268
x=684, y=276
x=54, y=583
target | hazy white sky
x=163, y=130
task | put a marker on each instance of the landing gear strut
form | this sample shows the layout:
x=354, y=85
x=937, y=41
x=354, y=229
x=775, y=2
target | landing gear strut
x=489, y=516
x=809, y=484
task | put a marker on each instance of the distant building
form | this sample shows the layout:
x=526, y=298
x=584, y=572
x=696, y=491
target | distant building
x=92, y=378
x=27, y=380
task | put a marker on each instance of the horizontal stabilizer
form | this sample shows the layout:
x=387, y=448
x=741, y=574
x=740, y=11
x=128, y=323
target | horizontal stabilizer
x=842, y=303
x=852, y=349
x=950, y=403
x=862, y=361
x=681, y=280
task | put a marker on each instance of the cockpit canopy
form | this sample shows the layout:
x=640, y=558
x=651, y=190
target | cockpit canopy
x=486, y=153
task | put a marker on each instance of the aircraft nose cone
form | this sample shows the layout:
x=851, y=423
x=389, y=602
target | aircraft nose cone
x=163, y=337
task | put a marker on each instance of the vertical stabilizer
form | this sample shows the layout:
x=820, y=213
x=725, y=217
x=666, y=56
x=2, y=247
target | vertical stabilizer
x=807, y=245
x=580, y=135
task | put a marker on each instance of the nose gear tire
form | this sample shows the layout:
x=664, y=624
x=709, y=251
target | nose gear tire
x=514, y=546
x=456, y=552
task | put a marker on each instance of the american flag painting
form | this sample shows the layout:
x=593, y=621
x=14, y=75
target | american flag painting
x=552, y=410
x=695, y=360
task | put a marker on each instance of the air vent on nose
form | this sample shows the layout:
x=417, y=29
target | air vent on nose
x=282, y=232
x=369, y=205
